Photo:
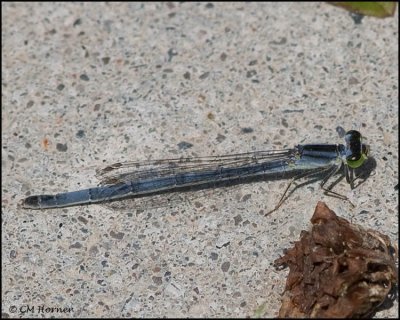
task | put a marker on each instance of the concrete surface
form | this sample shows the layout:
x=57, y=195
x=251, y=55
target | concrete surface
x=86, y=85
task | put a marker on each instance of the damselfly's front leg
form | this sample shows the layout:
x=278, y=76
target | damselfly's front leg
x=328, y=190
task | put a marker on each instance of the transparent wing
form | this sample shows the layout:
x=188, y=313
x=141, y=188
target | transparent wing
x=133, y=171
x=149, y=169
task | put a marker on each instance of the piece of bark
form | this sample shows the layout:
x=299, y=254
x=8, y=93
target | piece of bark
x=337, y=270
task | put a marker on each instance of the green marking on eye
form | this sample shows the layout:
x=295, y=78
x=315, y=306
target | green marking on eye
x=357, y=163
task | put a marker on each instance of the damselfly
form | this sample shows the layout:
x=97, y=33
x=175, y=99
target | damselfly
x=160, y=178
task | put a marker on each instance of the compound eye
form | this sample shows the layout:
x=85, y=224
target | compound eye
x=352, y=136
x=356, y=152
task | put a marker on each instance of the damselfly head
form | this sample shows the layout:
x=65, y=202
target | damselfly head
x=356, y=151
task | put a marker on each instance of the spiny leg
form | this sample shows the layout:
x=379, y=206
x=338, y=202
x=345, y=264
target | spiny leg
x=300, y=176
x=354, y=177
x=328, y=190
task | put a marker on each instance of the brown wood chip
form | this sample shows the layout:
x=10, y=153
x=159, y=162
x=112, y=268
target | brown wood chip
x=337, y=270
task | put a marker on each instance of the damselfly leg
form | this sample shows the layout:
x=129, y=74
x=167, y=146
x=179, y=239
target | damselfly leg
x=292, y=181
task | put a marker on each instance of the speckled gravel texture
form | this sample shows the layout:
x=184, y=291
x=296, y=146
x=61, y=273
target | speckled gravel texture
x=87, y=85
